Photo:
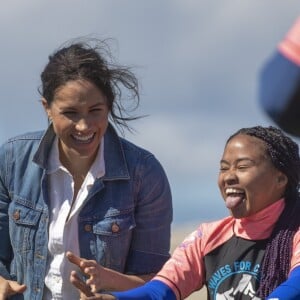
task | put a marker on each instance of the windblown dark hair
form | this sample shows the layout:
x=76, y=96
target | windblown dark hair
x=91, y=59
x=284, y=154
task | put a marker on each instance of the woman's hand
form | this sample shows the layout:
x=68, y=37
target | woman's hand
x=85, y=290
x=9, y=288
x=94, y=272
x=100, y=278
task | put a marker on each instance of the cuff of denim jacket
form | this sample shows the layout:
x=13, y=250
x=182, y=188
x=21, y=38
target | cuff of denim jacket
x=290, y=45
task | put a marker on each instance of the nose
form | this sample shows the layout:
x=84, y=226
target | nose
x=230, y=177
x=82, y=124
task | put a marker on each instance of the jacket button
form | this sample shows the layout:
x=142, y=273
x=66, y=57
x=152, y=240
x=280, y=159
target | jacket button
x=16, y=215
x=88, y=227
x=115, y=228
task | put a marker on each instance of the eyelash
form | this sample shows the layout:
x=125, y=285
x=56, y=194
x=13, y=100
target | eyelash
x=241, y=167
x=74, y=112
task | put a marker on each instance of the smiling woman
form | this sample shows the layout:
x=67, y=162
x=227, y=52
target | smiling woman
x=78, y=186
x=244, y=177
x=79, y=114
x=252, y=254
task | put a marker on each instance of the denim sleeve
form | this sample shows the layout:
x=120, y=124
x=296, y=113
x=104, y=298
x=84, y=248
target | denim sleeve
x=279, y=92
x=5, y=246
x=288, y=290
x=153, y=290
x=153, y=215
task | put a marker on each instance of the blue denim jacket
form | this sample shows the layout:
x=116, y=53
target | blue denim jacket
x=125, y=224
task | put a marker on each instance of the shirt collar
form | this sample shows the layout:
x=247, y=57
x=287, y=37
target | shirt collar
x=260, y=225
x=97, y=169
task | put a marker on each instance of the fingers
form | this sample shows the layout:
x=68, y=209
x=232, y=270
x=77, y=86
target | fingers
x=90, y=268
x=92, y=273
x=74, y=259
x=84, y=287
x=80, y=285
x=2, y=295
x=3, y=288
x=15, y=287
x=80, y=262
x=9, y=288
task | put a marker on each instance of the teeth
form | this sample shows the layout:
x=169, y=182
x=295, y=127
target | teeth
x=233, y=191
x=83, y=138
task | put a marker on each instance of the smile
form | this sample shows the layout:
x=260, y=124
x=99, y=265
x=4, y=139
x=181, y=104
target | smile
x=229, y=191
x=83, y=138
x=234, y=197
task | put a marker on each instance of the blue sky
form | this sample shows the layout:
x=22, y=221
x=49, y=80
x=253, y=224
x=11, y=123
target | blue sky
x=197, y=62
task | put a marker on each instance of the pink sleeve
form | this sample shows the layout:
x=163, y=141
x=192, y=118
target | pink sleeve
x=290, y=46
x=296, y=251
x=184, y=272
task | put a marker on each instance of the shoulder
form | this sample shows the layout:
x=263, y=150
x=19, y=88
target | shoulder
x=216, y=233
x=143, y=163
x=22, y=142
x=142, y=160
x=209, y=231
x=130, y=147
x=216, y=226
x=29, y=136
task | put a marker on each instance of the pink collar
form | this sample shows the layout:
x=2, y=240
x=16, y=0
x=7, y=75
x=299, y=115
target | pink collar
x=260, y=225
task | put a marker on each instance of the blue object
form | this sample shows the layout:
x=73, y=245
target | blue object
x=152, y=290
x=288, y=290
x=279, y=92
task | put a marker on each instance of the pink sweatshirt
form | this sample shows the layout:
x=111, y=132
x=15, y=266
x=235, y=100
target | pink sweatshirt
x=218, y=252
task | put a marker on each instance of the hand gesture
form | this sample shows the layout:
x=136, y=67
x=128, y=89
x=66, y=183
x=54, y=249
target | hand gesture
x=94, y=272
x=9, y=288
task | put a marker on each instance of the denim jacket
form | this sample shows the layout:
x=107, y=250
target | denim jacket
x=124, y=225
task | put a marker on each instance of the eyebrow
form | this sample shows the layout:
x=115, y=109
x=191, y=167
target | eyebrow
x=98, y=104
x=238, y=160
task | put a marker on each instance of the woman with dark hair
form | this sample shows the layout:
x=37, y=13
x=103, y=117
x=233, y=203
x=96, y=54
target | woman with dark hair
x=252, y=254
x=79, y=186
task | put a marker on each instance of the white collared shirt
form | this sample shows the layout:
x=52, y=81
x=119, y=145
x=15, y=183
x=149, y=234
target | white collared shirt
x=63, y=230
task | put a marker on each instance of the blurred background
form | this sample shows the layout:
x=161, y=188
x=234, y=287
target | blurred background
x=197, y=61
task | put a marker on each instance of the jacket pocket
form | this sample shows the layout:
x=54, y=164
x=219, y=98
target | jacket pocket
x=113, y=236
x=23, y=221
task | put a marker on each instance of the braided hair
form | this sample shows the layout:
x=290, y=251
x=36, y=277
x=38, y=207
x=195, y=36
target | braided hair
x=284, y=154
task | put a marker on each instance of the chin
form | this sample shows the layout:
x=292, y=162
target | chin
x=85, y=155
x=238, y=214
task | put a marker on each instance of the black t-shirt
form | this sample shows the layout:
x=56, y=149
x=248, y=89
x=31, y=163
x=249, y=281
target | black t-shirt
x=233, y=277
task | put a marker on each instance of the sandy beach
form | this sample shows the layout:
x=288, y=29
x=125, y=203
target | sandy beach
x=178, y=234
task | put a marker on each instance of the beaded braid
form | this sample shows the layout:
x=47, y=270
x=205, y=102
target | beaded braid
x=284, y=154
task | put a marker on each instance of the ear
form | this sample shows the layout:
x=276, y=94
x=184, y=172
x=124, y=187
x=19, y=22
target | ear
x=46, y=108
x=282, y=180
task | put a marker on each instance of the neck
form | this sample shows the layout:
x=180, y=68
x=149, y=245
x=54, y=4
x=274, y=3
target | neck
x=77, y=165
